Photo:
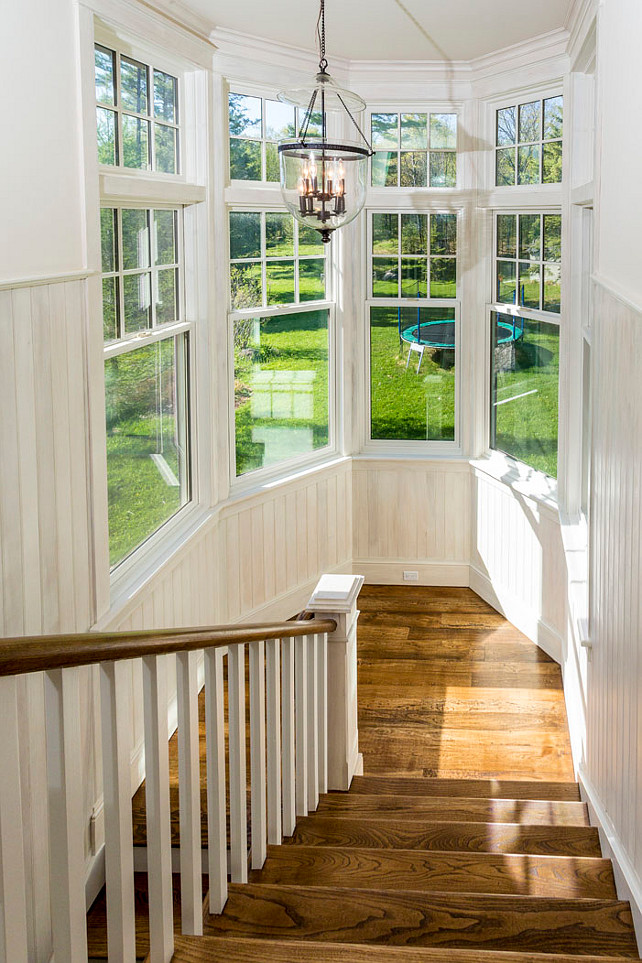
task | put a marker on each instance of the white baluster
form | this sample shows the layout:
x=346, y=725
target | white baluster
x=313, y=724
x=216, y=814
x=159, y=845
x=288, y=732
x=257, y=754
x=115, y=706
x=301, y=711
x=189, y=794
x=238, y=774
x=13, y=905
x=273, y=696
x=322, y=684
x=66, y=818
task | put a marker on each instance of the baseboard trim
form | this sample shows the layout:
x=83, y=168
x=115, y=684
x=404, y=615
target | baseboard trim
x=512, y=608
x=391, y=572
x=627, y=881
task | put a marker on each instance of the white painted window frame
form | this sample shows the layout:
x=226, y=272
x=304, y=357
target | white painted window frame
x=500, y=463
x=105, y=36
x=409, y=107
x=404, y=448
x=500, y=195
x=252, y=480
x=112, y=186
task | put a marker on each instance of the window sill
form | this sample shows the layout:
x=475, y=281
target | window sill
x=263, y=480
x=520, y=478
x=157, y=188
x=145, y=562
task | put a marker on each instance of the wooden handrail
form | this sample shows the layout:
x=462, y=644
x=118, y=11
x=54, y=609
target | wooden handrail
x=39, y=653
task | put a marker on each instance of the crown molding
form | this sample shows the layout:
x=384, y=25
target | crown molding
x=581, y=26
x=548, y=49
x=166, y=23
x=232, y=45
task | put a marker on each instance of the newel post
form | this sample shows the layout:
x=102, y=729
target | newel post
x=335, y=597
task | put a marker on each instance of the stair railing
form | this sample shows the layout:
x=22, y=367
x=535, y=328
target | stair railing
x=302, y=735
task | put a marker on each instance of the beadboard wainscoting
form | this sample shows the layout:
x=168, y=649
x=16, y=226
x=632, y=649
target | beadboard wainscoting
x=517, y=560
x=610, y=764
x=411, y=514
x=45, y=558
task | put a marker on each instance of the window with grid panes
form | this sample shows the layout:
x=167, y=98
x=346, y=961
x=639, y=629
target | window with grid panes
x=414, y=149
x=281, y=349
x=525, y=348
x=528, y=260
x=413, y=255
x=274, y=260
x=146, y=374
x=256, y=125
x=529, y=143
x=136, y=113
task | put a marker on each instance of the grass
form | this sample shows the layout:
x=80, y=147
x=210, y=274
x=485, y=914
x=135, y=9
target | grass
x=407, y=405
x=140, y=499
x=526, y=417
x=281, y=382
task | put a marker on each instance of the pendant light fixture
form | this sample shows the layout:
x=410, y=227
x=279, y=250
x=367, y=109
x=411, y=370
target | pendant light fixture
x=323, y=181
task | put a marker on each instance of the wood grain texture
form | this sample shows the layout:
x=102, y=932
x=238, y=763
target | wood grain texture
x=459, y=809
x=224, y=950
x=446, y=836
x=523, y=923
x=517, y=875
x=448, y=688
x=485, y=788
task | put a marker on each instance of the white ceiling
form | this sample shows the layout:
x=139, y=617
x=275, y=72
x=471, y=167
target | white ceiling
x=391, y=29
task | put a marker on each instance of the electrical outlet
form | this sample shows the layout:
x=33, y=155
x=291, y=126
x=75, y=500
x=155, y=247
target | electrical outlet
x=411, y=576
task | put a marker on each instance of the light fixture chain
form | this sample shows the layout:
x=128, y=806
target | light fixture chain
x=323, y=63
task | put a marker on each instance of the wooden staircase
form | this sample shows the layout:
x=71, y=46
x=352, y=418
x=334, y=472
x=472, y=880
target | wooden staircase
x=409, y=869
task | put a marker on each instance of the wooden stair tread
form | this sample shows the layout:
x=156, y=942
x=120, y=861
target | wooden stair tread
x=585, y=926
x=552, y=876
x=217, y=949
x=447, y=836
x=459, y=809
x=469, y=788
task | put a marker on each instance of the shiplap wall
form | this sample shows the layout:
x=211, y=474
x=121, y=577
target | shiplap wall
x=45, y=556
x=517, y=560
x=411, y=514
x=612, y=767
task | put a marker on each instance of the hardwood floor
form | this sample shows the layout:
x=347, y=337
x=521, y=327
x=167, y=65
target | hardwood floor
x=464, y=840
x=447, y=687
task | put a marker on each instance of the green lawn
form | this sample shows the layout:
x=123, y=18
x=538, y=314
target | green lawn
x=407, y=405
x=281, y=389
x=526, y=398
x=140, y=497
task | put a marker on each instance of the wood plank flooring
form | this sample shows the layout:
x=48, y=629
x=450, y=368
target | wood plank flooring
x=465, y=840
x=448, y=688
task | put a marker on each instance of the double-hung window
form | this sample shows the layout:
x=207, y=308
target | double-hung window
x=280, y=303
x=525, y=338
x=145, y=329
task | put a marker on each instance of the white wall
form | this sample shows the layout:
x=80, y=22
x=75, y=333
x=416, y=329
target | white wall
x=40, y=189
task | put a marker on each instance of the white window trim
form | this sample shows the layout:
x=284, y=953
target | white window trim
x=523, y=95
x=104, y=36
x=251, y=480
x=123, y=187
x=499, y=463
x=423, y=107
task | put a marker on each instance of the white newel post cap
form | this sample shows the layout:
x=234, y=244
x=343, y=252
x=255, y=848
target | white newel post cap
x=336, y=594
x=336, y=597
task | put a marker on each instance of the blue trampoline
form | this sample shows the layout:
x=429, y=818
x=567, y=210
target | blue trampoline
x=441, y=333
